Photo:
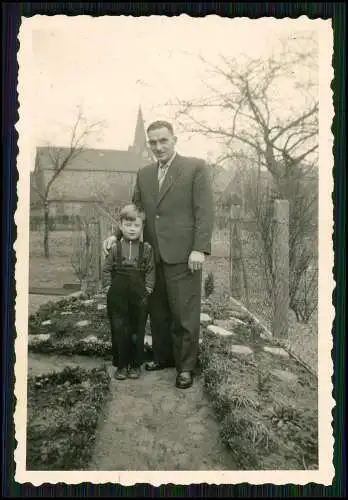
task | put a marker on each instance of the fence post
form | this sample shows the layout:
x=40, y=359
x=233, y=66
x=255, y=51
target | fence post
x=98, y=260
x=92, y=230
x=235, y=252
x=103, y=234
x=281, y=269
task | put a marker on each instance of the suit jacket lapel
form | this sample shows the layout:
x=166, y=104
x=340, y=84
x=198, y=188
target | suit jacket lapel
x=172, y=175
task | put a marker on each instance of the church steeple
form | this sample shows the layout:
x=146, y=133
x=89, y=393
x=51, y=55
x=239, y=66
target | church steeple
x=139, y=147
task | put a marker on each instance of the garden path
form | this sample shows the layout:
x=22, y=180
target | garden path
x=149, y=424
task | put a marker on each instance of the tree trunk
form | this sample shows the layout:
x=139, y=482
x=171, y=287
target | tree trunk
x=281, y=269
x=84, y=285
x=46, y=230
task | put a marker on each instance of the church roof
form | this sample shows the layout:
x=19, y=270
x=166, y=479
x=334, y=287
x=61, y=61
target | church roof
x=111, y=160
x=93, y=159
x=140, y=142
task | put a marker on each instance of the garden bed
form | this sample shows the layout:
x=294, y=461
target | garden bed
x=63, y=412
x=265, y=401
x=76, y=325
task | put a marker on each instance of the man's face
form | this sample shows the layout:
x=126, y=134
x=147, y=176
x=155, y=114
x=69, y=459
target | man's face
x=131, y=229
x=162, y=143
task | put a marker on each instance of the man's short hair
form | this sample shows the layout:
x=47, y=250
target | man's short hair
x=160, y=124
x=130, y=213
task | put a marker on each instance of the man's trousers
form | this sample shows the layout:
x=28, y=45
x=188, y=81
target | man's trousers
x=174, y=309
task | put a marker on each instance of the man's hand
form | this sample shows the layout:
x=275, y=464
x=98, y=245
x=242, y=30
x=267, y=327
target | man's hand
x=196, y=260
x=107, y=244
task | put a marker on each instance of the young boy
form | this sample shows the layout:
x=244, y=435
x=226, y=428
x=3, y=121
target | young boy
x=129, y=275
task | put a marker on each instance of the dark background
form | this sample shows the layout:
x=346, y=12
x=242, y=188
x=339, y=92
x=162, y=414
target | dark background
x=11, y=14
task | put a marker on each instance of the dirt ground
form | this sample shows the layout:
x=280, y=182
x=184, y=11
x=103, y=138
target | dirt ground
x=149, y=424
x=155, y=426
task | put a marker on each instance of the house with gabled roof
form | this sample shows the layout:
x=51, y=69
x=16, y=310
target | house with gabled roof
x=103, y=175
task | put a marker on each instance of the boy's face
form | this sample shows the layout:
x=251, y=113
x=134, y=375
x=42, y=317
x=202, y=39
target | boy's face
x=131, y=229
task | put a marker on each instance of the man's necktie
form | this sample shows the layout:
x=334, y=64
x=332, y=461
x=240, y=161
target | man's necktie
x=161, y=175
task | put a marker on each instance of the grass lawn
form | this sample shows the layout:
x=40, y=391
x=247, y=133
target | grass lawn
x=52, y=273
x=57, y=270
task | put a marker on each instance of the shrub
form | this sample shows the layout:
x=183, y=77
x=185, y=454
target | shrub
x=209, y=285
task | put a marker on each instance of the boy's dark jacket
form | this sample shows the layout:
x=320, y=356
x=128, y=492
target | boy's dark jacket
x=130, y=252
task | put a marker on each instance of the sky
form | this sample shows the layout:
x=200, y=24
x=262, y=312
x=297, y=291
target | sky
x=112, y=65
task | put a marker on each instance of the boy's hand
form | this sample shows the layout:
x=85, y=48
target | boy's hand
x=106, y=289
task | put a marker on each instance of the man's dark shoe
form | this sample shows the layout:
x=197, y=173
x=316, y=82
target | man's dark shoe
x=152, y=366
x=184, y=380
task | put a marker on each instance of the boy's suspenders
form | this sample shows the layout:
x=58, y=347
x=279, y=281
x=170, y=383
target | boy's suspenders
x=141, y=254
x=118, y=252
x=118, y=257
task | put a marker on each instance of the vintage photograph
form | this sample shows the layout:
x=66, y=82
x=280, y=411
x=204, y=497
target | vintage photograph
x=174, y=250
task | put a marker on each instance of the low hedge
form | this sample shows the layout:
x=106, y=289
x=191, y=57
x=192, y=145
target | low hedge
x=63, y=412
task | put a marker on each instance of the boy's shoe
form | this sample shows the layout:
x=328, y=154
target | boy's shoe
x=134, y=373
x=121, y=374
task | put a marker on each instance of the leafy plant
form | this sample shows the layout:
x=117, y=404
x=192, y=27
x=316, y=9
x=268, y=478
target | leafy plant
x=209, y=285
x=263, y=378
x=63, y=412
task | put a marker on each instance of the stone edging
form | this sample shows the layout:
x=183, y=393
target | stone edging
x=255, y=319
x=269, y=335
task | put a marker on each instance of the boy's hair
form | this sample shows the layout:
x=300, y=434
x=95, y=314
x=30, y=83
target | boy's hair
x=160, y=124
x=131, y=212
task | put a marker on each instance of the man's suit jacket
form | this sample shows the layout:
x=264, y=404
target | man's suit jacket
x=179, y=217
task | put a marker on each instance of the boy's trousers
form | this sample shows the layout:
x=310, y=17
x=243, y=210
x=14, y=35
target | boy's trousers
x=127, y=335
x=127, y=312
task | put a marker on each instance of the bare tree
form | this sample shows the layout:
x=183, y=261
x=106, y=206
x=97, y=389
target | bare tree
x=59, y=158
x=253, y=114
x=276, y=135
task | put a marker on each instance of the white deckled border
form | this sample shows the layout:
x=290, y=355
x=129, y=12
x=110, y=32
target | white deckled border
x=325, y=474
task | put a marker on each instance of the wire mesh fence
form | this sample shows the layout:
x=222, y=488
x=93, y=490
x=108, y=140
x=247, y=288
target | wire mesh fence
x=256, y=287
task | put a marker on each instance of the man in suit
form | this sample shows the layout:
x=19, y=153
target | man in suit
x=176, y=196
